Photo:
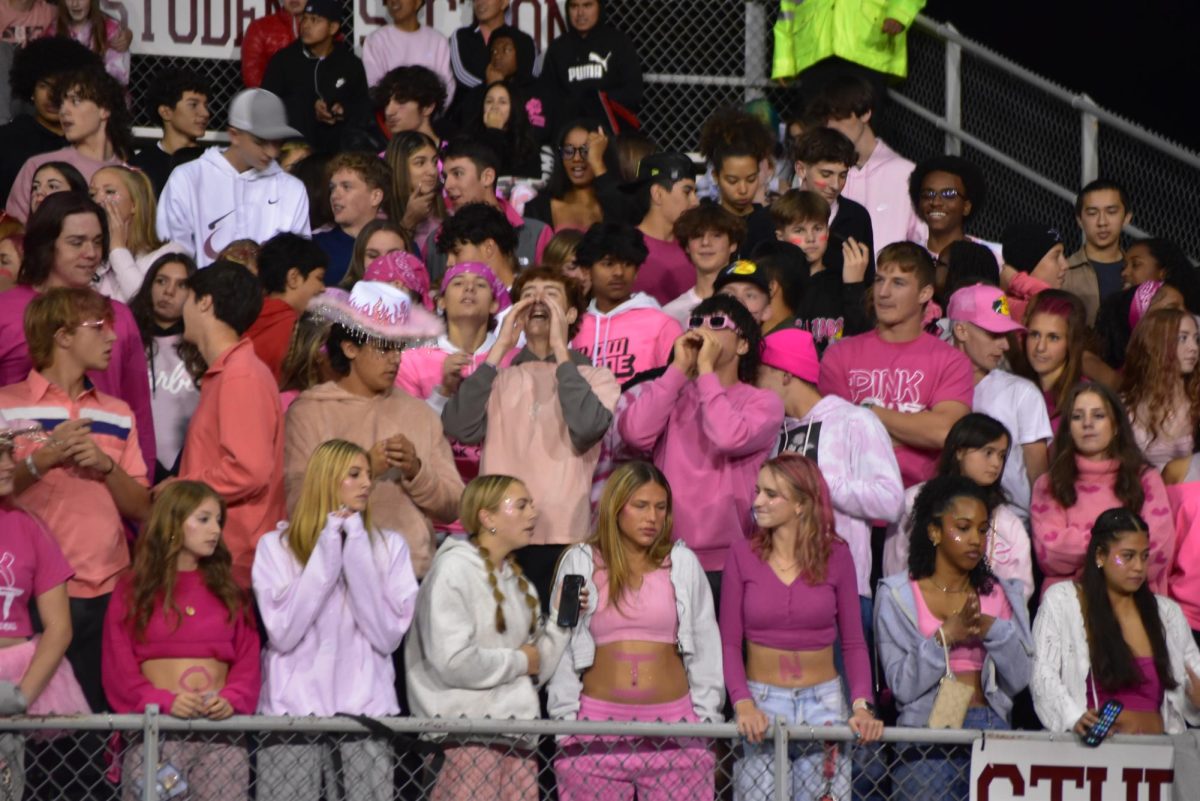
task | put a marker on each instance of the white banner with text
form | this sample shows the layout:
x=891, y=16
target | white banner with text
x=214, y=28
x=1039, y=770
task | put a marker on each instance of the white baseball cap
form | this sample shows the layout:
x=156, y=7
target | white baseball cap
x=260, y=113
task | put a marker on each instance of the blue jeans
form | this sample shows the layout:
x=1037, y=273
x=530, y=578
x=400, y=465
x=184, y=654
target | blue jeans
x=817, y=768
x=940, y=773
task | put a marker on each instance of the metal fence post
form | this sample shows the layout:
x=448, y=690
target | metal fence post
x=782, y=785
x=1089, y=150
x=953, y=93
x=756, y=50
x=150, y=754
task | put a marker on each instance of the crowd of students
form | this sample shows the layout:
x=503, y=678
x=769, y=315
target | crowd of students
x=323, y=421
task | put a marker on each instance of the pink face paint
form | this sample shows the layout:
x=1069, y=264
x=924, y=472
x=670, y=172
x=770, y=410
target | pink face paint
x=634, y=660
x=789, y=667
x=196, y=679
x=822, y=237
x=819, y=184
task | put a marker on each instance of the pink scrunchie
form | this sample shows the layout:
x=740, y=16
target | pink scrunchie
x=1143, y=296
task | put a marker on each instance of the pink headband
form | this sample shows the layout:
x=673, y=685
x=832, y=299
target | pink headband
x=402, y=266
x=499, y=291
x=1143, y=296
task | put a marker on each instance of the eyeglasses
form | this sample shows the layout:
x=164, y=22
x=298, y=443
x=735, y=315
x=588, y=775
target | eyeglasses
x=944, y=194
x=99, y=325
x=570, y=151
x=713, y=322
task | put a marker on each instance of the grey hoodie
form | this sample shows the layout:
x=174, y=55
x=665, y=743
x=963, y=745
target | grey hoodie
x=914, y=664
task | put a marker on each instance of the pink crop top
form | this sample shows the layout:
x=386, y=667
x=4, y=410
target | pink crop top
x=646, y=614
x=965, y=657
x=202, y=630
x=1146, y=696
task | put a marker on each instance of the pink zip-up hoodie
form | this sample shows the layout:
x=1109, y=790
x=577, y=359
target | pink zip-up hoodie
x=632, y=338
x=1060, y=536
x=709, y=441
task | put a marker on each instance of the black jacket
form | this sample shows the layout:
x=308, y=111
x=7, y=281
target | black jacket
x=852, y=220
x=300, y=78
x=577, y=68
x=20, y=140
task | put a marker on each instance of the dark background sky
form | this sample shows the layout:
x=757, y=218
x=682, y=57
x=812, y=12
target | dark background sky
x=1138, y=58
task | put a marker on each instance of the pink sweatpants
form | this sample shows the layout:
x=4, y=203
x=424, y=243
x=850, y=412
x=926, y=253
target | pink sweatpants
x=480, y=773
x=614, y=768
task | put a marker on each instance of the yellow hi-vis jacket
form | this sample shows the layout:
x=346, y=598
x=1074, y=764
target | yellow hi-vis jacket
x=809, y=31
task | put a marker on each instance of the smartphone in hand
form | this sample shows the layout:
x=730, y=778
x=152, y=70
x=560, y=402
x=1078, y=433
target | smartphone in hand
x=1108, y=716
x=568, y=602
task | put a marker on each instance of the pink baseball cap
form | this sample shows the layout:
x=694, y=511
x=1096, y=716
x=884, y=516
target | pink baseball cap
x=794, y=352
x=985, y=306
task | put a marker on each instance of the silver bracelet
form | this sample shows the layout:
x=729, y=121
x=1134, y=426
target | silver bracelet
x=31, y=466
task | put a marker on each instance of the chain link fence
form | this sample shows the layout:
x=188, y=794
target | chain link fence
x=404, y=759
x=1027, y=134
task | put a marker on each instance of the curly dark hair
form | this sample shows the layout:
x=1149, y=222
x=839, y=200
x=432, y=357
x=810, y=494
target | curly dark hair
x=932, y=502
x=558, y=184
x=731, y=132
x=44, y=60
x=106, y=92
x=411, y=83
x=618, y=241
x=475, y=223
x=169, y=84
x=971, y=176
x=747, y=328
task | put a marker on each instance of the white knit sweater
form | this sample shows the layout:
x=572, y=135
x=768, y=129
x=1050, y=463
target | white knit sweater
x=1061, y=662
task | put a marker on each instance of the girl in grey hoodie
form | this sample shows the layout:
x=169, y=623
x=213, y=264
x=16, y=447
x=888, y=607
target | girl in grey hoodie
x=949, y=615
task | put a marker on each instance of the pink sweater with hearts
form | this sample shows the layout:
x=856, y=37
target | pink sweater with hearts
x=1060, y=536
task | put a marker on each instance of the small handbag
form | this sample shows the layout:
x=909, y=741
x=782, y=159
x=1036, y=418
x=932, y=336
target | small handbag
x=953, y=697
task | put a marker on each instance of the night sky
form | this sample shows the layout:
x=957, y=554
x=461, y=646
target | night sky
x=1139, y=59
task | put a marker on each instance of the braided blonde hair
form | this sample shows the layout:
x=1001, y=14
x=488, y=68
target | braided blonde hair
x=486, y=493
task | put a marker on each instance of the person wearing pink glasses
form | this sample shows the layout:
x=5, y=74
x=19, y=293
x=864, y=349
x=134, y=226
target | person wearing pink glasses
x=709, y=428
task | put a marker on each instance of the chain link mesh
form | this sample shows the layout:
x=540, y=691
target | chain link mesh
x=698, y=56
x=200, y=764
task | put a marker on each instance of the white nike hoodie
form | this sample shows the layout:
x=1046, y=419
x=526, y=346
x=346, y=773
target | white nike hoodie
x=207, y=204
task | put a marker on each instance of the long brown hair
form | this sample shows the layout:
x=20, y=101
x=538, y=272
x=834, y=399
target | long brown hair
x=815, y=543
x=620, y=487
x=96, y=17
x=1064, y=472
x=1152, y=383
x=156, y=555
x=1066, y=306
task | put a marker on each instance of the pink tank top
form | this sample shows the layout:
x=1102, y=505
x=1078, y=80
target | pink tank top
x=1146, y=696
x=646, y=614
x=966, y=657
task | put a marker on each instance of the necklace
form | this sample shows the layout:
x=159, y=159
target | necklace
x=947, y=590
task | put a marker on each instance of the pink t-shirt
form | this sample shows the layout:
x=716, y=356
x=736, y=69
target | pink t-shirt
x=22, y=27
x=666, y=274
x=906, y=377
x=30, y=564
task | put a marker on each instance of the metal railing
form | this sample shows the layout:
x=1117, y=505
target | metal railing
x=408, y=758
x=1037, y=141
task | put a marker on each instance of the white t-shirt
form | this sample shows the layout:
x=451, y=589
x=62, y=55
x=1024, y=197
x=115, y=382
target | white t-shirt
x=681, y=307
x=1019, y=404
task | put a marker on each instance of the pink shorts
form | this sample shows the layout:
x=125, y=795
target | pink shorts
x=62, y=695
x=679, y=710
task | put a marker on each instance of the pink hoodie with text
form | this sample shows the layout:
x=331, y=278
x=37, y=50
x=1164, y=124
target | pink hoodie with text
x=635, y=336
